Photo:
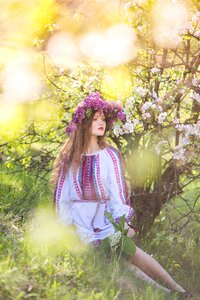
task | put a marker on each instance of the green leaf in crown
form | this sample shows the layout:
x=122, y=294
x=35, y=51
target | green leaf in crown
x=88, y=113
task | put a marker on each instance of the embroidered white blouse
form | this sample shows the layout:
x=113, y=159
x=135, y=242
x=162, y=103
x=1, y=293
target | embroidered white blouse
x=98, y=186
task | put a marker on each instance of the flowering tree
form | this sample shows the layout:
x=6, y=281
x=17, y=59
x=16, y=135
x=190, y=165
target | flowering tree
x=162, y=131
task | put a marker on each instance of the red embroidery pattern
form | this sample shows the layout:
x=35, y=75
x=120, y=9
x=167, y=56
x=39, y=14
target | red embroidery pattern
x=116, y=170
x=91, y=200
x=128, y=202
x=76, y=185
x=62, y=180
x=130, y=215
x=99, y=178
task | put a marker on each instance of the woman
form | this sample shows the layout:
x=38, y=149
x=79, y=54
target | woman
x=89, y=178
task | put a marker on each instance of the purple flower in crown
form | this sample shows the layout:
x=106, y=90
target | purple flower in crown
x=78, y=115
x=121, y=115
x=93, y=101
x=110, y=121
x=71, y=127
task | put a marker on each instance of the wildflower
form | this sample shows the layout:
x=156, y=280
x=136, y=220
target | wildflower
x=114, y=240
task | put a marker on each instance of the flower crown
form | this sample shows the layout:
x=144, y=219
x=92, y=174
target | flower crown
x=94, y=102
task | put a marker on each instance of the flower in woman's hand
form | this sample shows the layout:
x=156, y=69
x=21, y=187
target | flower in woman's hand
x=114, y=240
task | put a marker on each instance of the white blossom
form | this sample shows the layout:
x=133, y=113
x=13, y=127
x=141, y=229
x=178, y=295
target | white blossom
x=162, y=116
x=176, y=121
x=184, y=139
x=179, y=127
x=117, y=130
x=196, y=97
x=179, y=152
x=155, y=70
x=197, y=129
x=128, y=127
x=187, y=27
x=135, y=121
x=196, y=17
x=146, y=115
x=146, y=106
x=129, y=102
x=195, y=82
x=154, y=95
x=181, y=91
x=189, y=129
x=140, y=91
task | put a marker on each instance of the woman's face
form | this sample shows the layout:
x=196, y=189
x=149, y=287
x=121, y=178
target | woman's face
x=98, y=124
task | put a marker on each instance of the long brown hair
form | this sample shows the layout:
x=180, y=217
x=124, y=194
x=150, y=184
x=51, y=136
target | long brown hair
x=77, y=143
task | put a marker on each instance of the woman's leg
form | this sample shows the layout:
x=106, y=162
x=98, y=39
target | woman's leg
x=153, y=269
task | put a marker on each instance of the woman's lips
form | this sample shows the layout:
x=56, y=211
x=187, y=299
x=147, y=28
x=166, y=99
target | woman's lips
x=100, y=128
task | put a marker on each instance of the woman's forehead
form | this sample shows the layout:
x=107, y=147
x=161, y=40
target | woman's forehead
x=99, y=113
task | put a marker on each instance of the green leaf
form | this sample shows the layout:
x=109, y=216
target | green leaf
x=129, y=246
x=125, y=231
x=122, y=224
x=88, y=113
x=112, y=221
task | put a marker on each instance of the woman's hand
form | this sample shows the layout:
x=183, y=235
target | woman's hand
x=131, y=232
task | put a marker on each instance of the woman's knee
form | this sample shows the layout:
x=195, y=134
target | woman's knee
x=138, y=254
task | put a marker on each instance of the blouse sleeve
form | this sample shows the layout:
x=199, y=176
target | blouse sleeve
x=119, y=196
x=62, y=201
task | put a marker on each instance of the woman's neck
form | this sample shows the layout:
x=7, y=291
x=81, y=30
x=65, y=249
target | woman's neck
x=93, y=145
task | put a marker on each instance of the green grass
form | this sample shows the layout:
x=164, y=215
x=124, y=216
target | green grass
x=34, y=268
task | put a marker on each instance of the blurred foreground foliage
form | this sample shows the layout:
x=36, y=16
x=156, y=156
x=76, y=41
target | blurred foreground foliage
x=53, y=270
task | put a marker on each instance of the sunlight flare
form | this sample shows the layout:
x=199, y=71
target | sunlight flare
x=168, y=18
x=46, y=235
x=63, y=50
x=112, y=47
x=21, y=82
